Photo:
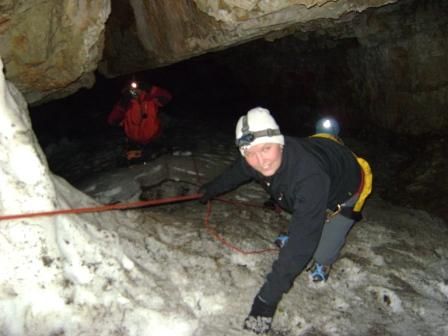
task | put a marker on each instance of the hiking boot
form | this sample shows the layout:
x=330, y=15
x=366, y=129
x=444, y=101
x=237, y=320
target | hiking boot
x=319, y=272
x=134, y=154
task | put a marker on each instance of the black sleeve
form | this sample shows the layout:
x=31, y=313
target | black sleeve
x=305, y=229
x=235, y=175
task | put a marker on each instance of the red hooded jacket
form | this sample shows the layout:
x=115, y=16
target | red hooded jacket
x=139, y=117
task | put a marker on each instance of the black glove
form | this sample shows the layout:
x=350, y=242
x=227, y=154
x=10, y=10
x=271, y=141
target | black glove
x=260, y=317
x=207, y=195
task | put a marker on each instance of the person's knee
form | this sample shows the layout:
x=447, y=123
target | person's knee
x=332, y=240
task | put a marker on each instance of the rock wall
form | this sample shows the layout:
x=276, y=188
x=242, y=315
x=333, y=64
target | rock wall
x=360, y=60
x=385, y=68
x=401, y=67
x=51, y=48
x=157, y=33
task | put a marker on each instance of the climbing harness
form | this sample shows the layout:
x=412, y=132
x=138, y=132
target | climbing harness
x=333, y=213
x=364, y=189
x=366, y=184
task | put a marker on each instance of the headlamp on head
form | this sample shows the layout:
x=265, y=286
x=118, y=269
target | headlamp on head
x=248, y=137
x=245, y=140
x=133, y=87
x=327, y=125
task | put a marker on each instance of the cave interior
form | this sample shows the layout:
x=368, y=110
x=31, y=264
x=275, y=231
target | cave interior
x=367, y=83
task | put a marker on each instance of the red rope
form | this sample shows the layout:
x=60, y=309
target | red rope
x=140, y=204
x=221, y=239
x=118, y=206
x=212, y=231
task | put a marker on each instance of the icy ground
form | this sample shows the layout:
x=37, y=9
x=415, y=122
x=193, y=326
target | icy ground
x=391, y=279
x=184, y=269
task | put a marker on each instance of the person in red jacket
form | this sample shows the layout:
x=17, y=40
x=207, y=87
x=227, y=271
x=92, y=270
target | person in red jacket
x=137, y=112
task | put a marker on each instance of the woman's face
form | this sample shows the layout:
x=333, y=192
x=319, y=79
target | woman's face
x=265, y=158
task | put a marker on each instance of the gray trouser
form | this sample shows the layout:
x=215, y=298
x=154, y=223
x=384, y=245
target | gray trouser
x=333, y=237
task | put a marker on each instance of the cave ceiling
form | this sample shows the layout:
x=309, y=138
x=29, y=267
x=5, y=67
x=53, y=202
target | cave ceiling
x=52, y=48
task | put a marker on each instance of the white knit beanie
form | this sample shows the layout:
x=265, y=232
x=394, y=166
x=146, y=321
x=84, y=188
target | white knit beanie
x=258, y=119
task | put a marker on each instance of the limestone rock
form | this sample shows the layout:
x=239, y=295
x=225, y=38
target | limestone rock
x=50, y=48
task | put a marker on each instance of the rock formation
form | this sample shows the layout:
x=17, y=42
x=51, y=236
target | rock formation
x=51, y=48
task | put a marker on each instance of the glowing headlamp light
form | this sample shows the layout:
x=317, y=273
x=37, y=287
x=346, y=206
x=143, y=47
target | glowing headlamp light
x=133, y=89
x=327, y=124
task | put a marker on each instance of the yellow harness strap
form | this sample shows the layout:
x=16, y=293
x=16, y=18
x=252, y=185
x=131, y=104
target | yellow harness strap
x=367, y=176
x=367, y=183
x=328, y=136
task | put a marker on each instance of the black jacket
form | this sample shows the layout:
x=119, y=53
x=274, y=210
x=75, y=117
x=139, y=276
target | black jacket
x=316, y=174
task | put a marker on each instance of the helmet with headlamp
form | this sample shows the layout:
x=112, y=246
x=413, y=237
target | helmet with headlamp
x=327, y=125
x=257, y=126
x=133, y=88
